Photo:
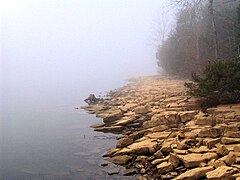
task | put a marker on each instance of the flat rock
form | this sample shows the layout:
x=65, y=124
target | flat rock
x=97, y=125
x=112, y=129
x=187, y=115
x=129, y=172
x=193, y=160
x=201, y=149
x=195, y=173
x=158, y=135
x=209, y=132
x=112, y=116
x=164, y=167
x=142, y=147
x=227, y=140
x=141, y=110
x=232, y=134
x=112, y=171
x=221, y=172
x=123, y=142
x=120, y=160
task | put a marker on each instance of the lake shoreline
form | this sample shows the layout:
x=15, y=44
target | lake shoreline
x=165, y=134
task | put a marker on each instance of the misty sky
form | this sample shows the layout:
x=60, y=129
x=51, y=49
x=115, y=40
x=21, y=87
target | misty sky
x=48, y=45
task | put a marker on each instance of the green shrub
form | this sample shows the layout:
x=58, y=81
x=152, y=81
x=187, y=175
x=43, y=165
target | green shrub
x=218, y=84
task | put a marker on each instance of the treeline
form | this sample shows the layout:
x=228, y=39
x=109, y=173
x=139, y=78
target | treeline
x=205, y=30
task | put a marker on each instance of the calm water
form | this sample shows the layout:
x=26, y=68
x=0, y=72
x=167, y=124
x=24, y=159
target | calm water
x=51, y=141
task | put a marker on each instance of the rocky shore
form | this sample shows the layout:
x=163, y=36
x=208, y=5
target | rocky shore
x=165, y=135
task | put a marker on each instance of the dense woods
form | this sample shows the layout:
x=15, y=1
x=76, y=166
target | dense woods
x=205, y=31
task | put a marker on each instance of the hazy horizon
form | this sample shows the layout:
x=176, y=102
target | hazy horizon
x=54, y=54
x=50, y=45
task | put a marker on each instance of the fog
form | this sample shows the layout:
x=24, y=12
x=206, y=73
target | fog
x=62, y=47
x=54, y=53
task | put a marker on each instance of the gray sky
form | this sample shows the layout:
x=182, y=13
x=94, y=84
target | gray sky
x=52, y=44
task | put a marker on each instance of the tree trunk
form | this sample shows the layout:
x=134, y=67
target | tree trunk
x=216, y=48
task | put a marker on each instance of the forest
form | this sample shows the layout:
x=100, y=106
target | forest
x=205, y=31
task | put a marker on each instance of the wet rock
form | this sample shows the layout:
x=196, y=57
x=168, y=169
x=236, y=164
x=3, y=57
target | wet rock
x=112, y=129
x=129, y=172
x=120, y=160
x=112, y=171
x=196, y=173
x=164, y=167
x=97, y=125
x=222, y=172
x=104, y=163
x=123, y=142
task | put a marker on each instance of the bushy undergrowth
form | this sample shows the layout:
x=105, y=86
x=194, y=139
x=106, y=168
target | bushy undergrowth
x=218, y=84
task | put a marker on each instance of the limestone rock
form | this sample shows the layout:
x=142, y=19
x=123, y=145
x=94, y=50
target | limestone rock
x=128, y=172
x=142, y=147
x=211, y=142
x=97, y=125
x=230, y=159
x=123, y=142
x=226, y=140
x=164, y=167
x=187, y=115
x=141, y=110
x=112, y=129
x=209, y=132
x=195, y=173
x=174, y=160
x=193, y=160
x=202, y=119
x=130, y=106
x=216, y=163
x=221, y=173
x=120, y=160
x=112, y=116
x=221, y=150
x=232, y=134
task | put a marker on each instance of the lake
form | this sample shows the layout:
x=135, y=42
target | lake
x=51, y=141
